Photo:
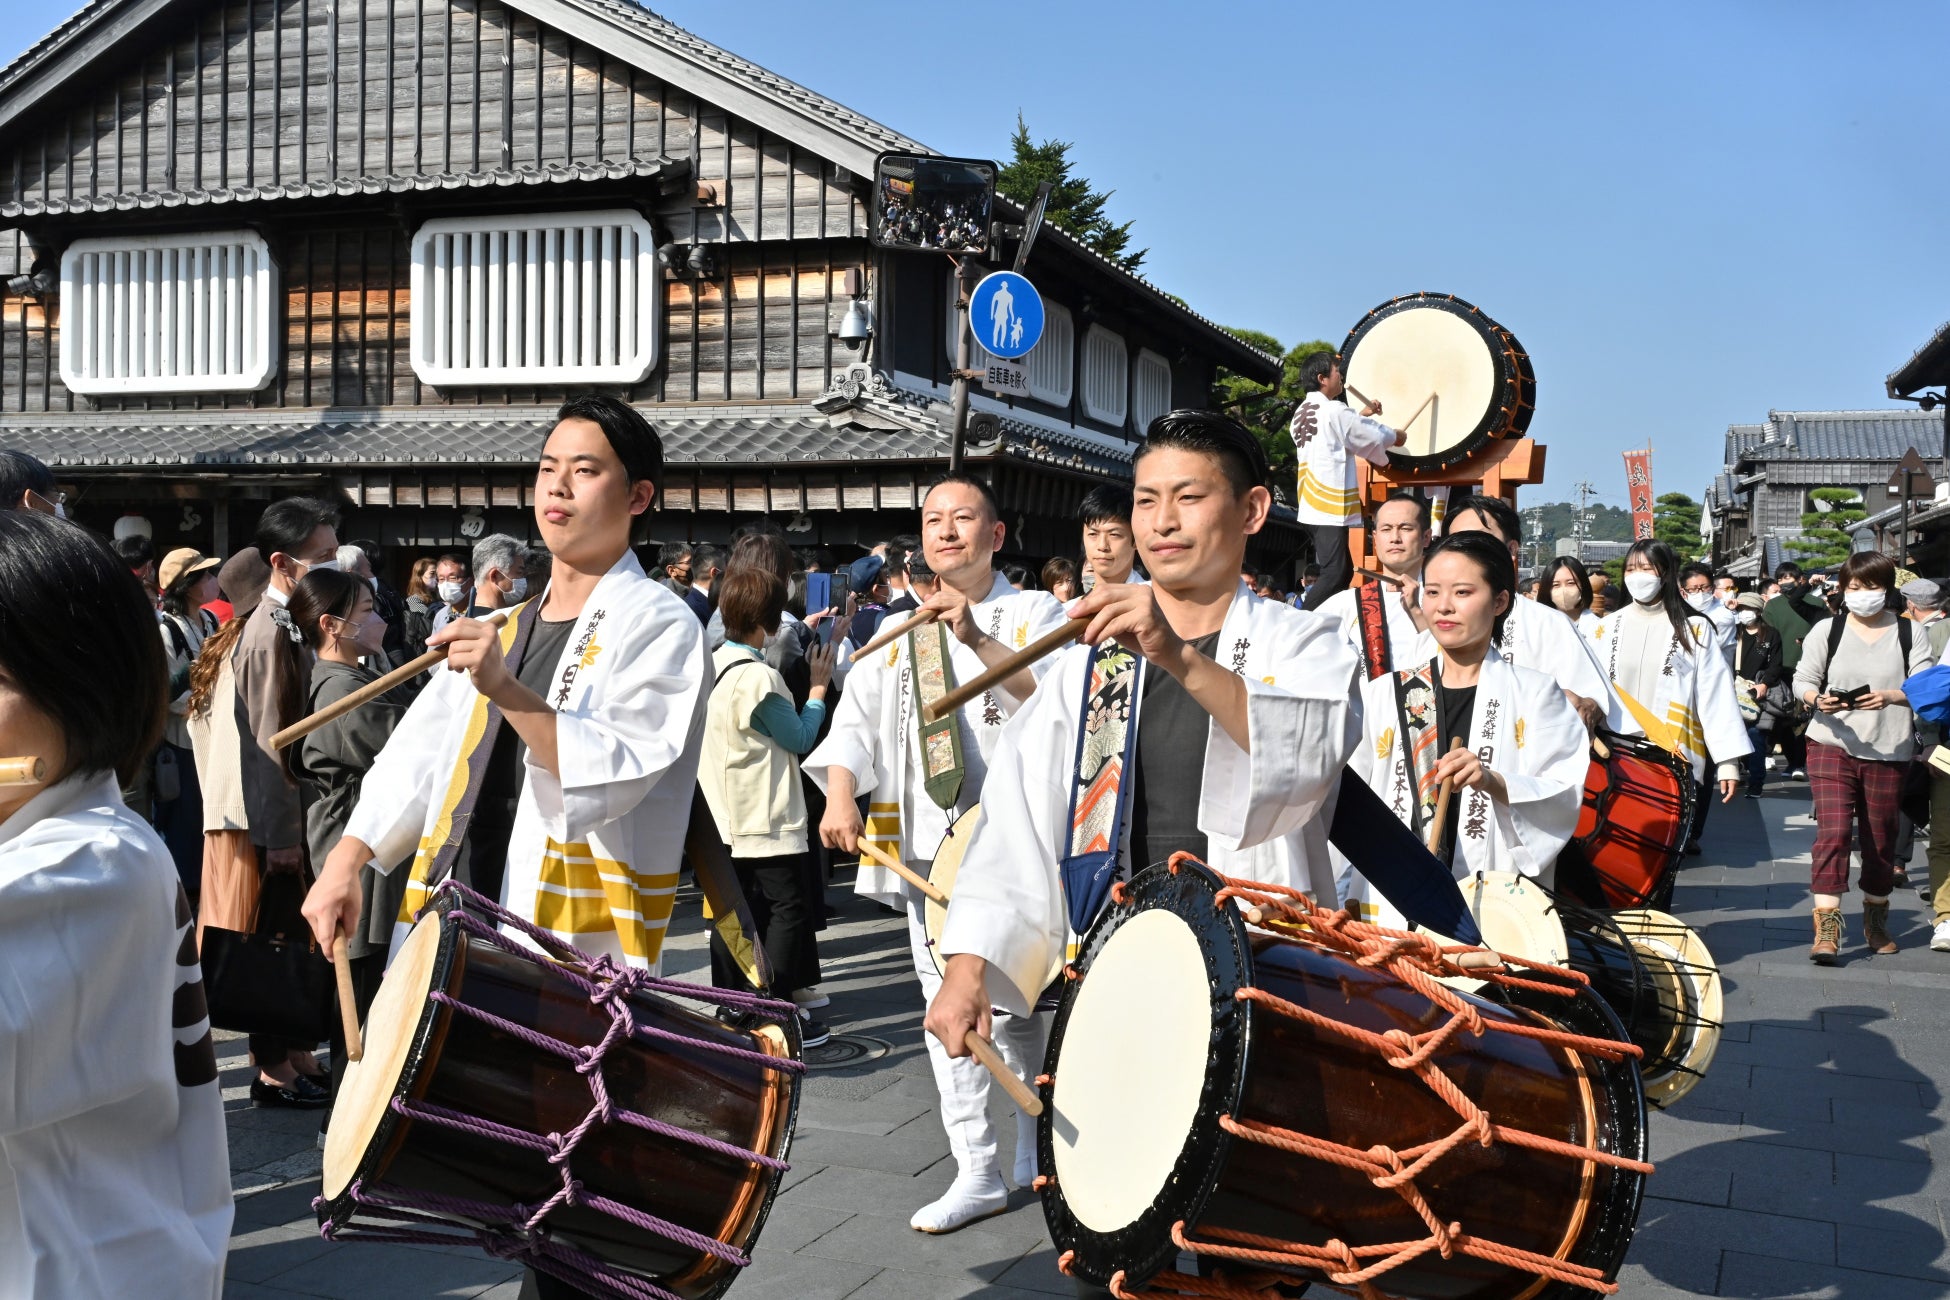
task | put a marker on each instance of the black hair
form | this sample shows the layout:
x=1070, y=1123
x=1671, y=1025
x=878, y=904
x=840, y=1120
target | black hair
x=1492, y=558
x=21, y=474
x=1492, y=510
x=285, y=526
x=1421, y=505
x=319, y=593
x=673, y=553
x=1786, y=569
x=1576, y=566
x=134, y=551
x=1226, y=440
x=1107, y=503
x=630, y=436
x=1665, y=562
x=705, y=558
x=1694, y=570
x=1018, y=576
x=78, y=638
x=966, y=479
x=1311, y=571
x=1315, y=369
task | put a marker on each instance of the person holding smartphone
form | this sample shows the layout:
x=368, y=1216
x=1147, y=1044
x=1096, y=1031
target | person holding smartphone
x=1860, y=741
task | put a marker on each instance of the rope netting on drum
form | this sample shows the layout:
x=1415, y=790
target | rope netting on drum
x=1421, y=962
x=520, y=1232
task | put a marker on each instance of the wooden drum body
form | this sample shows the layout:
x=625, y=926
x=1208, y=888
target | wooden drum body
x=1638, y=811
x=1446, y=375
x=498, y=1096
x=1208, y=1084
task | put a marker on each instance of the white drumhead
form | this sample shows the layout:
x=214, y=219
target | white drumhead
x=1515, y=917
x=1670, y=940
x=1131, y=1069
x=370, y=1082
x=1405, y=357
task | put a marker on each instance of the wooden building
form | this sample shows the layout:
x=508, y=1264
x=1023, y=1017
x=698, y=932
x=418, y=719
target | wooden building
x=251, y=247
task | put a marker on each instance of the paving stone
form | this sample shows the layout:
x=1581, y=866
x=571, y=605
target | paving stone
x=802, y=1277
x=907, y=1153
x=864, y=1191
x=1703, y=1231
x=359, y=1272
x=258, y=1252
x=1853, y=1138
x=1765, y=1278
x=1850, y=1089
x=793, y=1224
x=1917, y=1251
x=896, y=1284
x=979, y=1250
x=878, y=1115
x=1037, y=1271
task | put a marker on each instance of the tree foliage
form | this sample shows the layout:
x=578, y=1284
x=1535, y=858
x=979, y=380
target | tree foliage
x=1824, y=541
x=1268, y=411
x=1675, y=521
x=1073, y=205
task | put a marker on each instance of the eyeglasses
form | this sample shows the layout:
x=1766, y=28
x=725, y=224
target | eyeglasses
x=55, y=498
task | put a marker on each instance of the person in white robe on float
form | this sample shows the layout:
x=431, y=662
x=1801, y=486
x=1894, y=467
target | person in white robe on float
x=874, y=749
x=1275, y=719
x=605, y=785
x=1517, y=777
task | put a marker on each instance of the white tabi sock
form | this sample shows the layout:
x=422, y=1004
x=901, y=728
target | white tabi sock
x=973, y=1195
x=1025, y=1149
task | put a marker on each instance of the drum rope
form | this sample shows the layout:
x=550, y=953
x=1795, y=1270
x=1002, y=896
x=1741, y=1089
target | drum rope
x=1418, y=961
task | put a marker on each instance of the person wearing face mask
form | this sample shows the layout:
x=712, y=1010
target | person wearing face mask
x=1860, y=741
x=1758, y=672
x=337, y=616
x=1567, y=589
x=450, y=583
x=1696, y=589
x=500, y=575
x=1670, y=683
x=27, y=484
x=1791, y=611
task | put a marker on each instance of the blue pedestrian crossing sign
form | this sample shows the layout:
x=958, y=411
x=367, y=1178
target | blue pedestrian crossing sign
x=1006, y=313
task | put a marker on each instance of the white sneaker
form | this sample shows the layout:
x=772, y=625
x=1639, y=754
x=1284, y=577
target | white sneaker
x=1940, y=937
x=811, y=998
x=968, y=1198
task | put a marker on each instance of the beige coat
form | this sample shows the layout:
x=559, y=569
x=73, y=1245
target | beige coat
x=214, y=736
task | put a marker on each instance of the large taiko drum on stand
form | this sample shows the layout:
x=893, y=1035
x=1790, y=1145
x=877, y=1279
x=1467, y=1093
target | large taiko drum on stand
x=1447, y=376
x=1638, y=811
x=1306, y=1102
x=568, y=1114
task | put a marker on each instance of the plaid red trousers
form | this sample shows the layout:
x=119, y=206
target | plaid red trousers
x=1853, y=793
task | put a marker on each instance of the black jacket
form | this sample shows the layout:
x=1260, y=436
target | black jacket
x=1757, y=655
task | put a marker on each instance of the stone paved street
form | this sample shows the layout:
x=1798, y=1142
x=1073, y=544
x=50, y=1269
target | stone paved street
x=1803, y=1166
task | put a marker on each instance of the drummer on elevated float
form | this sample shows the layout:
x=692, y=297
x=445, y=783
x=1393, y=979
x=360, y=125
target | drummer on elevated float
x=917, y=777
x=1517, y=780
x=1328, y=436
x=1247, y=717
x=1381, y=620
x=556, y=775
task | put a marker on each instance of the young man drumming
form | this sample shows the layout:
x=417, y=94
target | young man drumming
x=1247, y=723
x=1328, y=437
x=1379, y=619
x=917, y=777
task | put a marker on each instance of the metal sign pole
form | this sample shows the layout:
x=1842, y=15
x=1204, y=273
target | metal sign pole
x=965, y=276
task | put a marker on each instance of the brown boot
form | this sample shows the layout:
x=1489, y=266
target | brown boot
x=1875, y=927
x=1828, y=936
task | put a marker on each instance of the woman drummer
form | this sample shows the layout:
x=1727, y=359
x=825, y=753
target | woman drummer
x=113, y=1174
x=1496, y=743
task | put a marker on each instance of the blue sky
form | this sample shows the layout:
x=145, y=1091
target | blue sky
x=1687, y=213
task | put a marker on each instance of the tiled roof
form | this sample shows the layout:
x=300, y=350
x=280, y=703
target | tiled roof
x=1742, y=437
x=552, y=173
x=1846, y=435
x=1929, y=365
x=483, y=437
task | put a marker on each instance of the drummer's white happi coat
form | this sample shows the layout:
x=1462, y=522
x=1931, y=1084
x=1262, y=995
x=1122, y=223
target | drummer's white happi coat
x=1523, y=729
x=114, y=1176
x=1403, y=635
x=1693, y=710
x=1543, y=639
x=594, y=854
x=876, y=735
x=1264, y=813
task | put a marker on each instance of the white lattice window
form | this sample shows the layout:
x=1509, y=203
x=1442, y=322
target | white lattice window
x=1052, y=363
x=1106, y=376
x=558, y=297
x=1150, y=389
x=168, y=314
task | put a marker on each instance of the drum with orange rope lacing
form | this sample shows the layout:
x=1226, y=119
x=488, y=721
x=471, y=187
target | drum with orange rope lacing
x=1294, y=1096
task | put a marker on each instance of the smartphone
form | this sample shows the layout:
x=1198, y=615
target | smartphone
x=1852, y=697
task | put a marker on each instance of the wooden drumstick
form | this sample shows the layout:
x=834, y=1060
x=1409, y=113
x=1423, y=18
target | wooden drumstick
x=1601, y=749
x=348, y=1008
x=1379, y=576
x=28, y=769
x=1418, y=410
x=371, y=691
x=1002, y=672
x=1442, y=803
x=1019, y=1092
x=894, y=634
x=1362, y=397
x=899, y=868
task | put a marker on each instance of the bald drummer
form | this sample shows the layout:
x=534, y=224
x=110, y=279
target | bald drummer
x=1327, y=436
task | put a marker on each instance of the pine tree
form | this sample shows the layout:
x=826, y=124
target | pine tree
x=1825, y=541
x=1675, y=521
x=1267, y=411
x=1073, y=205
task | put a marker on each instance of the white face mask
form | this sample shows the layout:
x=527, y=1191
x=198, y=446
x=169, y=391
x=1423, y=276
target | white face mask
x=518, y=590
x=1700, y=600
x=322, y=566
x=1643, y=586
x=1747, y=618
x=1863, y=604
x=451, y=592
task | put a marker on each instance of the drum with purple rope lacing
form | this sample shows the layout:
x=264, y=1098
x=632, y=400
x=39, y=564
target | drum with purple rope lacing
x=558, y=1110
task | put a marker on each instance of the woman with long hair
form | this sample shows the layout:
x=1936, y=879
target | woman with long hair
x=1669, y=681
x=113, y=1159
x=1506, y=740
x=1060, y=579
x=189, y=582
x=1860, y=741
x=1567, y=588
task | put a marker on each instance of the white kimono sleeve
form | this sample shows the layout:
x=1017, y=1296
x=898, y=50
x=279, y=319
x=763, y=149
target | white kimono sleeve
x=616, y=745
x=1545, y=784
x=398, y=789
x=851, y=740
x=1714, y=703
x=1301, y=735
x=1367, y=438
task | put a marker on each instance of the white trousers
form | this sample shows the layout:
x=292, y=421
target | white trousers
x=962, y=1083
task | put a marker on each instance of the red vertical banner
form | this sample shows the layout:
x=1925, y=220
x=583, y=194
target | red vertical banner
x=1638, y=485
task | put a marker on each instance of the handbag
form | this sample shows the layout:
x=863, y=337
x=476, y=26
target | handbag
x=271, y=979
